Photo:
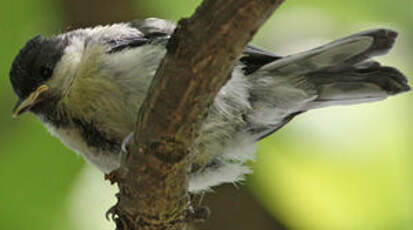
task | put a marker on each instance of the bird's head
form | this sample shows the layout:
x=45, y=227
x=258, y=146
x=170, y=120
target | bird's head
x=32, y=70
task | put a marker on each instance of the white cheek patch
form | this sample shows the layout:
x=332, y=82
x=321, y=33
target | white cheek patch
x=66, y=69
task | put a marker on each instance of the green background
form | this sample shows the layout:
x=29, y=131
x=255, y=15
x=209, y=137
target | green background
x=334, y=168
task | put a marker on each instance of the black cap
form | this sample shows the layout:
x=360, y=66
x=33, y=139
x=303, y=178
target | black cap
x=34, y=64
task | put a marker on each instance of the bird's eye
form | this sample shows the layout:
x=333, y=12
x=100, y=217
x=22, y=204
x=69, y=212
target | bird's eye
x=45, y=72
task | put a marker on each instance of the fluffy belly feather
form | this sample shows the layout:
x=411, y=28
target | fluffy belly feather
x=106, y=161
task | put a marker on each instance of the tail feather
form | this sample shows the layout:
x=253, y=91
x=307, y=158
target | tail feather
x=337, y=54
x=356, y=85
x=339, y=73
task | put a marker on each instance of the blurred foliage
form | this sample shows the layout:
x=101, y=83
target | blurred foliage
x=336, y=168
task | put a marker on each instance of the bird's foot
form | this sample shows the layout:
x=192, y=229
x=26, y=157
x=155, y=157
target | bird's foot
x=113, y=176
x=112, y=212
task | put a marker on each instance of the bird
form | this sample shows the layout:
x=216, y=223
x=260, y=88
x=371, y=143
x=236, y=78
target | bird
x=87, y=86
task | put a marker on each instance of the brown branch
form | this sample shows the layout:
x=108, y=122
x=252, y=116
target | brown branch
x=153, y=180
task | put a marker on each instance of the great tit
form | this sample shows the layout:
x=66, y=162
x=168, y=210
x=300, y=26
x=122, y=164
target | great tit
x=87, y=85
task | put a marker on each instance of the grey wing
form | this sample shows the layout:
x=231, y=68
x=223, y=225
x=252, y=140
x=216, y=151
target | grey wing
x=151, y=31
x=128, y=42
x=156, y=30
x=154, y=27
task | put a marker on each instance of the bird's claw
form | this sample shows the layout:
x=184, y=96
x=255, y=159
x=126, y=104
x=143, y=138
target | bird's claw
x=112, y=212
x=113, y=176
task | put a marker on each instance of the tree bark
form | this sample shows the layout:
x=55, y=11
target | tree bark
x=153, y=177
